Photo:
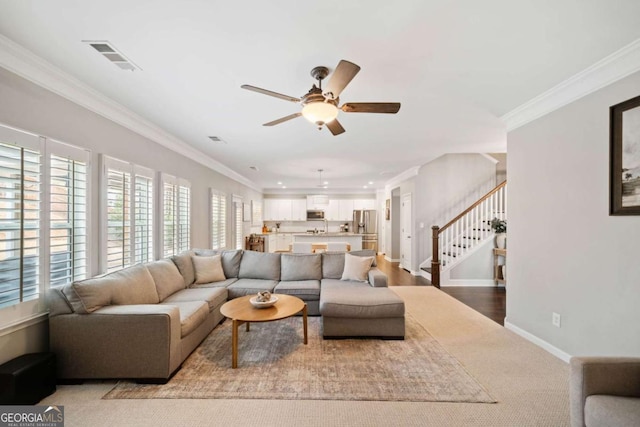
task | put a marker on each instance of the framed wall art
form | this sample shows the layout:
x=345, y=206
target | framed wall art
x=624, y=158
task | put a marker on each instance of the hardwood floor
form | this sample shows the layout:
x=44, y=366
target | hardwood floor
x=490, y=301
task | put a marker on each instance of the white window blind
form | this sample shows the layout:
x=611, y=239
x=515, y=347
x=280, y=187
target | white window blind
x=118, y=219
x=176, y=215
x=68, y=220
x=143, y=218
x=237, y=222
x=128, y=216
x=218, y=219
x=20, y=197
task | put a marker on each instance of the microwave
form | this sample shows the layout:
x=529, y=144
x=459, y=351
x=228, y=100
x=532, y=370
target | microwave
x=315, y=215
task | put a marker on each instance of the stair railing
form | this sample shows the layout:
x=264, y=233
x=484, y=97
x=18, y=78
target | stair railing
x=467, y=229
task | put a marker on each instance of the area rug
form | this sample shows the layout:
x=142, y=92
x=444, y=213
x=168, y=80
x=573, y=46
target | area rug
x=273, y=363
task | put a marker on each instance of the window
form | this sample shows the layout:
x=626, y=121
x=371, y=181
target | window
x=143, y=218
x=176, y=215
x=43, y=220
x=128, y=214
x=237, y=221
x=218, y=219
x=67, y=216
x=20, y=197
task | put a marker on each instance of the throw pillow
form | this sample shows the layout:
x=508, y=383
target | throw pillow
x=208, y=269
x=356, y=267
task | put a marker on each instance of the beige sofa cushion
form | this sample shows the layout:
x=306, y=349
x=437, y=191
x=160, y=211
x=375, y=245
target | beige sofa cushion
x=166, y=276
x=132, y=285
x=192, y=314
x=185, y=266
x=208, y=269
x=356, y=268
x=215, y=297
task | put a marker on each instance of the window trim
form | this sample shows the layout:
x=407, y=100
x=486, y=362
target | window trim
x=132, y=169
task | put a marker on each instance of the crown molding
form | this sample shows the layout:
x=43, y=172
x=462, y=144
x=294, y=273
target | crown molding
x=610, y=69
x=409, y=173
x=29, y=66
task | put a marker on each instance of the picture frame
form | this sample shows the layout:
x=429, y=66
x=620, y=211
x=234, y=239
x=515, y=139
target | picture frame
x=624, y=158
x=246, y=212
x=387, y=209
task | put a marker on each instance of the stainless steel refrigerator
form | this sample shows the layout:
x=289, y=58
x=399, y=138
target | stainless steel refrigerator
x=365, y=222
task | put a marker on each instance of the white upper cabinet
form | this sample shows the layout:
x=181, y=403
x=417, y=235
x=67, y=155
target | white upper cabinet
x=332, y=213
x=270, y=211
x=360, y=204
x=299, y=210
x=346, y=210
x=285, y=209
x=318, y=203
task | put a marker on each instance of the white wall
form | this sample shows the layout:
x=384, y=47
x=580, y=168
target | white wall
x=27, y=106
x=566, y=254
x=445, y=187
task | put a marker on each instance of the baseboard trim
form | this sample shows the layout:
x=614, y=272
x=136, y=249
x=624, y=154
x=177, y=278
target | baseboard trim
x=391, y=259
x=565, y=357
x=471, y=282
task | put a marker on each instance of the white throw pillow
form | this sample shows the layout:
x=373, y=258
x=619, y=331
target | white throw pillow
x=356, y=267
x=208, y=269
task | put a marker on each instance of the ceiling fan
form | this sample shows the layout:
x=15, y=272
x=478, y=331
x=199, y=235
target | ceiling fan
x=321, y=106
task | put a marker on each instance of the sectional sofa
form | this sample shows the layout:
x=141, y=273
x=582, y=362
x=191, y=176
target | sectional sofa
x=142, y=322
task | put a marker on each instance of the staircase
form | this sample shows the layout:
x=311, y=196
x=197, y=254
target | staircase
x=464, y=234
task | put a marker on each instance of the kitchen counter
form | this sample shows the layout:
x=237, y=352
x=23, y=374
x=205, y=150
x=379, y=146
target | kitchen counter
x=353, y=239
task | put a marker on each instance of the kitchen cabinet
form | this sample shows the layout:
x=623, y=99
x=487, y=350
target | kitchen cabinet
x=332, y=213
x=318, y=202
x=284, y=210
x=283, y=241
x=270, y=243
x=277, y=210
x=360, y=204
x=299, y=210
x=346, y=210
x=270, y=211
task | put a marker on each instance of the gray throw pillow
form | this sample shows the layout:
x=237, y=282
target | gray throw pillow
x=260, y=265
x=332, y=265
x=301, y=267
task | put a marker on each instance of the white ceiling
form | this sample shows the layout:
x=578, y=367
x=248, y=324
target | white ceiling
x=456, y=67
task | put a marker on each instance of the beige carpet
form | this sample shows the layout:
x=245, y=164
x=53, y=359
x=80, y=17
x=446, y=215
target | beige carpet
x=530, y=385
x=275, y=364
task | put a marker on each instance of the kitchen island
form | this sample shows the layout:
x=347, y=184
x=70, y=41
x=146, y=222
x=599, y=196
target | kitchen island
x=352, y=239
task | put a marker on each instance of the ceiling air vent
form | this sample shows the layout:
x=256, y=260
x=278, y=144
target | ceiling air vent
x=107, y=50
x=217, y=139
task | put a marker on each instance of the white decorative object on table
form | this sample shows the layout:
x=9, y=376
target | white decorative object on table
x=264, y=299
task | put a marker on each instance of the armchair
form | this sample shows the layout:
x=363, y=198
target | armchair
x=604, y=391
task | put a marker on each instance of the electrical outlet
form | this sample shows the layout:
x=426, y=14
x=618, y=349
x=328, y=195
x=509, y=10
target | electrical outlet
x=555, y=320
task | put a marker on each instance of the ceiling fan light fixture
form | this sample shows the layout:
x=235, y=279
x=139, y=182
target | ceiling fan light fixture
x=320, y=112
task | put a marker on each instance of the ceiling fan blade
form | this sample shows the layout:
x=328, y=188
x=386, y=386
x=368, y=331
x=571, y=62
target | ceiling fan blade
x=371, y=107
x=270, y=93
x=344, y=73
x=335, y=127
x=282, y=119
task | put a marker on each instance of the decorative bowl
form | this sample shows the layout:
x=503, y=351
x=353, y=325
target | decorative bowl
x=263, y=304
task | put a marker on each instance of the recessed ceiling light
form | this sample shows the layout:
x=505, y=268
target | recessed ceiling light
x=364, y=186
x=326, y=183
x=370, y=182
x=217, y=139
x=107, y=50
x=279, y=182
x=284, y=186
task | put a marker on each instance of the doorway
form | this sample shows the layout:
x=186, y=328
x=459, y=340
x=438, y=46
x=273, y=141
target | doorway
x=405, y=232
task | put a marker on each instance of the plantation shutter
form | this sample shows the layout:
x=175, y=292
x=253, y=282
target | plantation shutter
x=218, y=220
x=68, y=260
x=20, y=198
x=118, y=219
x=143, y=218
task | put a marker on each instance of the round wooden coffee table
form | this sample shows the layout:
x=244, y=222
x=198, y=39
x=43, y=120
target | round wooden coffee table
x=240, y=311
